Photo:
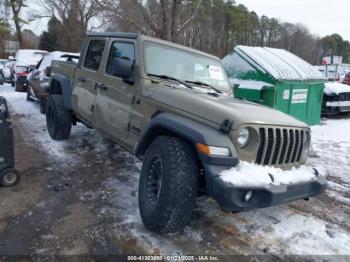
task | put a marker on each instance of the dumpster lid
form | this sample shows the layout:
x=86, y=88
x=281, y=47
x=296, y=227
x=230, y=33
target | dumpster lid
x=279, y=63
x=249, y=84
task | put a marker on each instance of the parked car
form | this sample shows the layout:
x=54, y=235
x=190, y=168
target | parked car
x=3, y=62
x=332, y=73
x=336, y=99
x=26, y=60
x=38, y=79
x=346, y=80
x=2, y=66
x=146, y=94
x=11, y=64
x=7, y=72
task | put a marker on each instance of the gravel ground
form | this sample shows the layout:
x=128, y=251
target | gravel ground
x=79, y=197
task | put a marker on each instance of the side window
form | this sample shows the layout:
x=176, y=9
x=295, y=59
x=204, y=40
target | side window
x=94, y=54
x=120, y=50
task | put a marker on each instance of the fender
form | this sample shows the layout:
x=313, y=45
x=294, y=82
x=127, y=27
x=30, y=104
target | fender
x=192, y=131
x=65, y=89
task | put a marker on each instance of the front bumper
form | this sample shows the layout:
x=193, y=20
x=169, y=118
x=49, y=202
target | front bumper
x=232, y=198
x=342, y=106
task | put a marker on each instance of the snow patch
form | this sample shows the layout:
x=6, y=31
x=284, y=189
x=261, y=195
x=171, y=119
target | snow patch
x=336, y=88
x=249, y=84
x=252, y=175
x=280, y=63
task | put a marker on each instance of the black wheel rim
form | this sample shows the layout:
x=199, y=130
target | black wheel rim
x=154, y=181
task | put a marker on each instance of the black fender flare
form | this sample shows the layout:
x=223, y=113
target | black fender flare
x=191, y=130
x=66, y=89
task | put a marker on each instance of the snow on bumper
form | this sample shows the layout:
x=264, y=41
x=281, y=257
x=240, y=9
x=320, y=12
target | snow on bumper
x=251, y=175
x=249, y=186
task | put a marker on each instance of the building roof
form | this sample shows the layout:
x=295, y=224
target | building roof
x=279, y=63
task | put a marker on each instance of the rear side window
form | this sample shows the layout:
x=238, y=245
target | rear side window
x=94, y=54
x=120, y=50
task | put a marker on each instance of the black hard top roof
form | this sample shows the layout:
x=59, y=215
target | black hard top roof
x=114, y=34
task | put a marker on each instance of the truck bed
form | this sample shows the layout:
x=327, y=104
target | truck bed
x=66, y=68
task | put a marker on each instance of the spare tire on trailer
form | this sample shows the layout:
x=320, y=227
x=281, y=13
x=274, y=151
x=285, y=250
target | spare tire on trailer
x=9, y=177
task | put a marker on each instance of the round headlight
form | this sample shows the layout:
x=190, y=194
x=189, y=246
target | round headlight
x=243, y=137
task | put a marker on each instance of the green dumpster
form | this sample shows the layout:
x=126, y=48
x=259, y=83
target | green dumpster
x=276, y=78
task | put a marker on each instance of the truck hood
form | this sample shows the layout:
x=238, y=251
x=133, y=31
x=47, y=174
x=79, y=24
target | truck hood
x=218, y=108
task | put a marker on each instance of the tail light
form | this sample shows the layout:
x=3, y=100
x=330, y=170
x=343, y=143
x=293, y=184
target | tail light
x=20, y=70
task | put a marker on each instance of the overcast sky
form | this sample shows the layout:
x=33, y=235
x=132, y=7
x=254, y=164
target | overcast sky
x=322, y=17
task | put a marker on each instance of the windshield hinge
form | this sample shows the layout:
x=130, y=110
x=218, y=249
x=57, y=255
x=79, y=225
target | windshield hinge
x=226, y=126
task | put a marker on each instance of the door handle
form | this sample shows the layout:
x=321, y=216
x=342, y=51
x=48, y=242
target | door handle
x=100, y=86
x=82, y=79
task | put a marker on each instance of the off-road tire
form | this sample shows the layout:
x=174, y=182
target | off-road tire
x=58, y=118
x=9, y=177
x=2, y=77
x=169, y=209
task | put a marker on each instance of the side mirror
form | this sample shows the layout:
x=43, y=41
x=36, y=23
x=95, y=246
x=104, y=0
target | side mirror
x=122, y=68
x=48, y=71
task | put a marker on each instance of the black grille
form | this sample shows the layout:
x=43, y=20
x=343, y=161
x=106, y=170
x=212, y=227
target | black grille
x=261, y=146
x=280, y=146
x=344, y=96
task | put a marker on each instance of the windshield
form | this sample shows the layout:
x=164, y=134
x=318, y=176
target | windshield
x=184, y=65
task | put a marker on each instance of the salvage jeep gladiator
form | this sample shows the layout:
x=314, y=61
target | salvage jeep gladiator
x=173, y=107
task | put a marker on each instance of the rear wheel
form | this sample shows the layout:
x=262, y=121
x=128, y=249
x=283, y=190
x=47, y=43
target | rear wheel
x=58, y=118
x=168, y=185
x=9, y=177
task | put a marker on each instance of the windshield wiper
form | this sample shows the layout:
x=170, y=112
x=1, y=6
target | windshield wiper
x=166, y=77
x=203, y=84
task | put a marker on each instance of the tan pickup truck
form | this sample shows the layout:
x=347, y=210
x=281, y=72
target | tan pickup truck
x=173, y=107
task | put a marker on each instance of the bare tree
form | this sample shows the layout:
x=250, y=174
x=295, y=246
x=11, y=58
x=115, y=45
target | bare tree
x=156, y=18
x=16, y=7
x=75, y=15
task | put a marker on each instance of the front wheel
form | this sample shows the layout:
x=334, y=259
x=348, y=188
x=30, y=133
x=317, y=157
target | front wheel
x=58, y=118
x=168, y=185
